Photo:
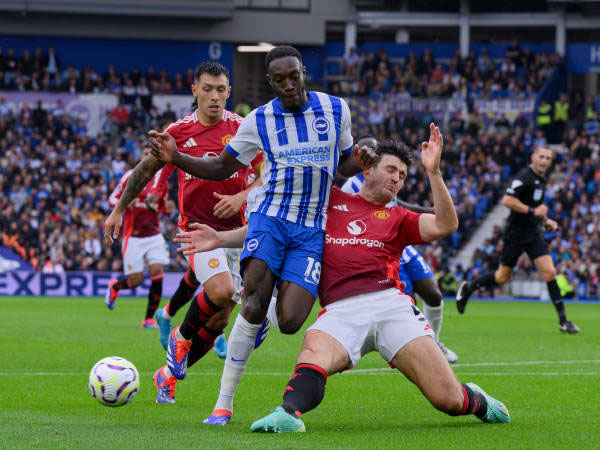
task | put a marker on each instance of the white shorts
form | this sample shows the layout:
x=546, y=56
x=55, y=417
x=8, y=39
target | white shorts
x=206, y=265
x=383, y=321
x=150, y=249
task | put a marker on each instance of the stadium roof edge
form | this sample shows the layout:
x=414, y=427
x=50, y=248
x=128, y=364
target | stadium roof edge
x=213, y=9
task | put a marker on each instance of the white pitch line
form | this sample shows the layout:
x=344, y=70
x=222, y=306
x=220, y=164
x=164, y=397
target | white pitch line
x=366, y=371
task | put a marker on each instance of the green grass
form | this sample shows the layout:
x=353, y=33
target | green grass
x=549, y=381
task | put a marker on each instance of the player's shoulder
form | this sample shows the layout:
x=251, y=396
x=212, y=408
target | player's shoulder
x=182, y=125
x=230, y=116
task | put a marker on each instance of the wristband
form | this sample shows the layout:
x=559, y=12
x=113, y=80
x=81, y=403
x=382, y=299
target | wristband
x=530, y=211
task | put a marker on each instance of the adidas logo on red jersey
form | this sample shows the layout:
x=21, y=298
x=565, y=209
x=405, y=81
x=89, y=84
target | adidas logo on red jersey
x=341, y=207
x=190, y=143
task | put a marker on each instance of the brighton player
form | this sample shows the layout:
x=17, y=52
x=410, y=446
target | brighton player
x=365, y=309
x=142, y=243
x=415, y=273
x=202, y=134
x=305, y=137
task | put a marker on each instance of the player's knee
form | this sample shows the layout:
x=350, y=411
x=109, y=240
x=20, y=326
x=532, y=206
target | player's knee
x=253, y=310
x=549, y=275
x=434, y=298
x=501, y=278
x=289, y=323
x=221, y=295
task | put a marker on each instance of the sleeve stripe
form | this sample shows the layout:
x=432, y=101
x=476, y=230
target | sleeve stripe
x=231, y=151
x=348, y=150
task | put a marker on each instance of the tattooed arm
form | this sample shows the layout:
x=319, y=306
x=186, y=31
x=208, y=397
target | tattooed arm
x=141, y=175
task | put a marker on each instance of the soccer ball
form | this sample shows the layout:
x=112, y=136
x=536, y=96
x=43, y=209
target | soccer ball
x=114, y=381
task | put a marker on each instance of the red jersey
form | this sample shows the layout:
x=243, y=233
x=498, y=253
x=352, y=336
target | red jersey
x=363, y=245
x=195, y=196
x=139, y=221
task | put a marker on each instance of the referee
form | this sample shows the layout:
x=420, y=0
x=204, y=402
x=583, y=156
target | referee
x=524, y=197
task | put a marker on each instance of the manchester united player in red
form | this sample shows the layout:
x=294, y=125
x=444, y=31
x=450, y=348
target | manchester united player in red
x=142, y=242
x=365, y=308
x=204, y=133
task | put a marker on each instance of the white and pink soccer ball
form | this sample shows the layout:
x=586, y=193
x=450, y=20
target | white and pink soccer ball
x=114, y=381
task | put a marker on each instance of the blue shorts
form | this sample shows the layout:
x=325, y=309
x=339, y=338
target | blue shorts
x=292, y=252
x=413, y=267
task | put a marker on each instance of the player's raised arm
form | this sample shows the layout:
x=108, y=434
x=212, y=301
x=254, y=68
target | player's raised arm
x=164, y=148
x=141, y=175
x=444, y=221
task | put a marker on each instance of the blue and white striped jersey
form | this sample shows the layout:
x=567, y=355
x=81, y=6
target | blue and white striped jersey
x=352, y=186
x=301, y=151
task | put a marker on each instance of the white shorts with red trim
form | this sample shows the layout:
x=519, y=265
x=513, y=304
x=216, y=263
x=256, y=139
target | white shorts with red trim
x=206, y=265
x=148, y=250
x=383, y=321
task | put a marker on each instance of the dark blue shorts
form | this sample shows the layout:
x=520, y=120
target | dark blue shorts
x=292, y=252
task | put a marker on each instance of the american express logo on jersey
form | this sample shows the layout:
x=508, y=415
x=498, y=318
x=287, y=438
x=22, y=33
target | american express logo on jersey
x=306, y=154
x=301, y=151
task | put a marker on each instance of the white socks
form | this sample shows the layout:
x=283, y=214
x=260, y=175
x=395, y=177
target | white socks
x=239, y=349
x=434, y=316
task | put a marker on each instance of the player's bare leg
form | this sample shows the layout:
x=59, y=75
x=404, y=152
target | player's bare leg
x=423, y=363
x=546, y=267
x=294, y=304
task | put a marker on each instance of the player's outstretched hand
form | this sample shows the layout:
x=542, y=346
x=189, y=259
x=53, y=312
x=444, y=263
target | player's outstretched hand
x=431, y=151
x=162, y=145
x=228, y=205
x=112, y=226
x=202, y=239
x=364, y=157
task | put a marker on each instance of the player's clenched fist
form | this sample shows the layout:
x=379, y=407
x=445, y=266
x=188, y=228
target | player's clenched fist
x=163, y=146
x=364, y=157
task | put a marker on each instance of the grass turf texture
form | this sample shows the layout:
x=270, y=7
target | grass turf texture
x=548, y=380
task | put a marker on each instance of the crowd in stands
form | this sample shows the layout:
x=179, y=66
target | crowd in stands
x=45, y=72
x=55, y=178
x=520, y=75
x=55, y=181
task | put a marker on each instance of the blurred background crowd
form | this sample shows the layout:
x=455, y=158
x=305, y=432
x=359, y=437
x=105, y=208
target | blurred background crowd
x=56, y=176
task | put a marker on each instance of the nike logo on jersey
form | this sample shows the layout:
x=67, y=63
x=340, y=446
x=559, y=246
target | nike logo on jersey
x=341, y=207
x=190, y=143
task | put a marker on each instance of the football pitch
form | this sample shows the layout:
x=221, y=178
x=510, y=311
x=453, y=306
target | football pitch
x=549, y=381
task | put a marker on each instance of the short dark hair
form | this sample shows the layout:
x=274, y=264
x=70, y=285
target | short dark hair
x=212, y=68
x=395, y=148
x=281, y=51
